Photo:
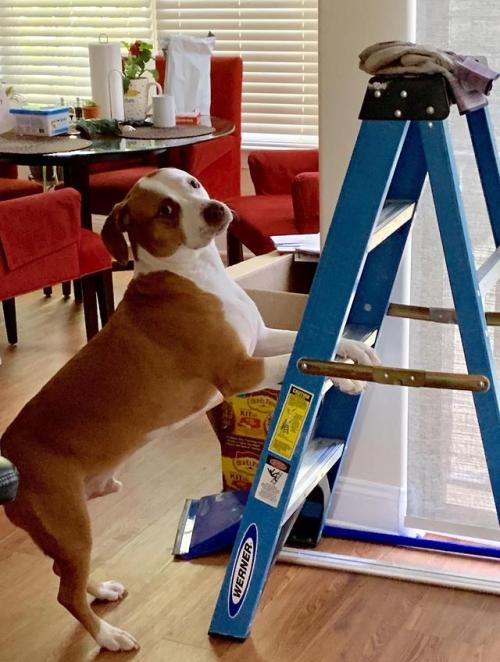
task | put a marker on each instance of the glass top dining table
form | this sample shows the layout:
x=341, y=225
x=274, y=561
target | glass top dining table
x=76, y=163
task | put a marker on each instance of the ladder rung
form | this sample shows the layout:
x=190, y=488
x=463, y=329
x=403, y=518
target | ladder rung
x=489, y=272
x=440, y=315
x=394, y=214
x=319, y=457
x=395, y=376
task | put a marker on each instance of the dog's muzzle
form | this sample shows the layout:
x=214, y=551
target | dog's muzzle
x=214, y=213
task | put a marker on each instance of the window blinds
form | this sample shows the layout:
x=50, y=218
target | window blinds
x=277, y=40
x=43, y=43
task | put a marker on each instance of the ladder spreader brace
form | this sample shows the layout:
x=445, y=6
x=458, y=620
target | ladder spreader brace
x=402, y=138
x=395, y=376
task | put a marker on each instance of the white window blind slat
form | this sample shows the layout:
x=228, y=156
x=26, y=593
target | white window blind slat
x=43, y=43
x=277, y=40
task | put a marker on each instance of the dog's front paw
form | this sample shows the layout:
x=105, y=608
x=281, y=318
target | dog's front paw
x=349, y=386
x=359, y=353
x=110, y=591
x=114, y=639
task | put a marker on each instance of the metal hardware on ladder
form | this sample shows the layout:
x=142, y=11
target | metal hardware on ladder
x=440, y=315
x=395, y=376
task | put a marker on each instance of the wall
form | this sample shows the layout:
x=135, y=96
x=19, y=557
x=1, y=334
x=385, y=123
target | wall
x=372, y=485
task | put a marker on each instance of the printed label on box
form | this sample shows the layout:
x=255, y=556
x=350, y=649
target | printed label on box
x=272, y=481
x=241, y=424
x=290, y=422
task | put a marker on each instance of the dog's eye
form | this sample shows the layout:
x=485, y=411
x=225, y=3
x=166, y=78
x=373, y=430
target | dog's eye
x=194, y=183
x=167, y=210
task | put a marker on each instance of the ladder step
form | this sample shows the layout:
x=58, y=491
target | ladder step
x=489, y=272
x=362, y=332
x=319, y=457
x=394, y=214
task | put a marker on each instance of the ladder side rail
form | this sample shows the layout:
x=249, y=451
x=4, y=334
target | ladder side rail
x=373, y=294
x=465, y=288
x=488, y=163
x=324, y=318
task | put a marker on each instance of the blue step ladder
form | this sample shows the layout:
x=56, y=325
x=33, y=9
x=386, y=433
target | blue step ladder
x=403, y=137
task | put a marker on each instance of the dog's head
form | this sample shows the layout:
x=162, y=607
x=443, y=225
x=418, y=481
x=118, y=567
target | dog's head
x=165, y=210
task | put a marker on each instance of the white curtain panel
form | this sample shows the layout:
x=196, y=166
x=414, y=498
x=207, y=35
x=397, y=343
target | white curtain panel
x=448, y=484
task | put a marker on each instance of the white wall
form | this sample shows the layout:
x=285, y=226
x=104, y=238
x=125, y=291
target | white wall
x=372, y=485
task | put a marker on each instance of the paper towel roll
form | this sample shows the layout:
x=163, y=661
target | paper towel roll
x=105, y=78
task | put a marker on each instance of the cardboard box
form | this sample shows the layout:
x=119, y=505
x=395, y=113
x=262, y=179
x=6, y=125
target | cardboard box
x=277, y=284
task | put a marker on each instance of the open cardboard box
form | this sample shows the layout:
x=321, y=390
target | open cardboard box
x=278, y=285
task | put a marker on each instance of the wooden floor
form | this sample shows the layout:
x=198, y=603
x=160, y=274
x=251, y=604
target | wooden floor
x=306, y=615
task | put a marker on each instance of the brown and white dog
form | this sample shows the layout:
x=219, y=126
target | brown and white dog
x=184, y=336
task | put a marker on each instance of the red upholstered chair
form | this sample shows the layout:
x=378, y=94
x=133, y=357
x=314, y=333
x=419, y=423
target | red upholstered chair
x=286, y=201
x=215, y=163
x=12, y=187
x=42, y=243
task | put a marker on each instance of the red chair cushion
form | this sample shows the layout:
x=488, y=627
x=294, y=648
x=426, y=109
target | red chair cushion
x=93, y=253
x=108, y=188
x=17, y=188
x=259, y=217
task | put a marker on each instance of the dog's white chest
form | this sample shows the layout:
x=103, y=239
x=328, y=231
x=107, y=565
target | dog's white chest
x=205, y=268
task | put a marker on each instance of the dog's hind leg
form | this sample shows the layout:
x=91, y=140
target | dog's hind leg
x=59, y=525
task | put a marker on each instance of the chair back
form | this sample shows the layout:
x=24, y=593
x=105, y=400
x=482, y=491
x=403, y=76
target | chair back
x=8, y=170
x=226, y=79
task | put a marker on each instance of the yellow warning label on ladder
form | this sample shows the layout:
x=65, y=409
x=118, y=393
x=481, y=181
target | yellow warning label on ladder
x=290, y=422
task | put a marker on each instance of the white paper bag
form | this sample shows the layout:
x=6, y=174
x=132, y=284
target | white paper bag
x=7, y=121
x=188, y=72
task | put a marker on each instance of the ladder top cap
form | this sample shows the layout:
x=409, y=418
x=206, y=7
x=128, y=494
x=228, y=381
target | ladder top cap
x=406, y=97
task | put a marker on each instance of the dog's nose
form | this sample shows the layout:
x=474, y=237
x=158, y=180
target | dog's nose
x=214, y=213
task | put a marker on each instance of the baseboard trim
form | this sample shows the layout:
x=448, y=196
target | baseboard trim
x=369, y=506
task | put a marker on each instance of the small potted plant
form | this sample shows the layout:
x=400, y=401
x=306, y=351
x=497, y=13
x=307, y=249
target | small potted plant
x=91, y=110
x=137, y=79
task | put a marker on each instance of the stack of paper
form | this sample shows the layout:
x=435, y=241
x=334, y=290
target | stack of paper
x=297, y=243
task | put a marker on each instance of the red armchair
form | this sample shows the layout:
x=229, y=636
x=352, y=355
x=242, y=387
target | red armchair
x=42, y=243
x=12, y=187
x=215, y=163
x=286, y=201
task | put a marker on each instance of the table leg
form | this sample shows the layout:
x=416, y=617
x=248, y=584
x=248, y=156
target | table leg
x=89, y=292
x=76, y=175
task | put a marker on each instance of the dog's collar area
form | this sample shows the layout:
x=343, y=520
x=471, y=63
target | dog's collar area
x=187, y=262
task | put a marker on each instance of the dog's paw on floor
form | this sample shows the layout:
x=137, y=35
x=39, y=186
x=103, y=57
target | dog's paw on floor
x=109, y=591
x=114, y=639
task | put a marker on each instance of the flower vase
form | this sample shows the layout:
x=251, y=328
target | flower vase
x=136, y=98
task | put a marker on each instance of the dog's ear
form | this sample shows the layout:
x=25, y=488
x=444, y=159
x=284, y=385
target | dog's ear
x=112, y=232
